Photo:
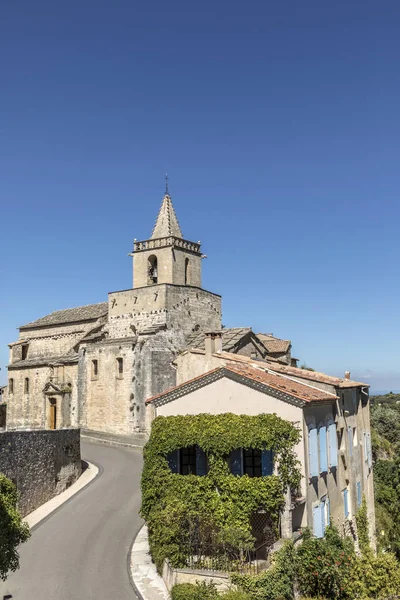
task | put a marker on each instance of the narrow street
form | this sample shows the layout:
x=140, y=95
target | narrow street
x=80, y=552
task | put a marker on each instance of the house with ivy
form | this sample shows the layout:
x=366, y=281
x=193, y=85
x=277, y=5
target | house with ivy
x=333, y=449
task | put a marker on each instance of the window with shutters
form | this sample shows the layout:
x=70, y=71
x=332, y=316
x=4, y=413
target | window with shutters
x=332, y=444
x=346, y=507
x=188, y=461
x=251, y=462
x=350, y=436
x=323, y=450
x=313, y=451
x=359, y=493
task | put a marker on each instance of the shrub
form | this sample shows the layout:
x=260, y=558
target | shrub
x=236, y=595
x=13, y=531
x=362, y=527
x=374, y=577
x=197, y=591
x=274, y=584
x=323, y=565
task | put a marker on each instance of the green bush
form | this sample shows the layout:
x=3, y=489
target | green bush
x=13, y=531
x=323, y=565
x=274, y=584
x=374, y=577
x=362, y=527
x=236, y=595
x=197, y=591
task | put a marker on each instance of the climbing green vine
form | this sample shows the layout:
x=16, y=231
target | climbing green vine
x=173, y=505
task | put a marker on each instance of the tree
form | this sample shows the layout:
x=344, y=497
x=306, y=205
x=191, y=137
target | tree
x=13, y=531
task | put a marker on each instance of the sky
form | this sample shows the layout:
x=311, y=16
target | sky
x=278, y=125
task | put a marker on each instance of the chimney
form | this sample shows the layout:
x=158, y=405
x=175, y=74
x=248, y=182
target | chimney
x=347, y=374
x=213, y=342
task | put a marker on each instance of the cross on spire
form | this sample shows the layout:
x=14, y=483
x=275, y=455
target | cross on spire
x=166, y=184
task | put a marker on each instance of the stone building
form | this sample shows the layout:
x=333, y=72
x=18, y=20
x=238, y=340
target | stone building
x=332, y=413
x=94, y=366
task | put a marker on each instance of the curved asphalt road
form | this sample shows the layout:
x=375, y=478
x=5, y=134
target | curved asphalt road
x=80, y=552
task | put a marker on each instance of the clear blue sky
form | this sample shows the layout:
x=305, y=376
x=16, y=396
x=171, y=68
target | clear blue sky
x=278, y=124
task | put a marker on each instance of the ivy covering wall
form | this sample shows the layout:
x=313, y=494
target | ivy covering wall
x=218, y=501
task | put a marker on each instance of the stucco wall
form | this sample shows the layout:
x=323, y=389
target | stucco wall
x=41, y=463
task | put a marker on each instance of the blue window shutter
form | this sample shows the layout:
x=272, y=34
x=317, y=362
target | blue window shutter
x=346, y=503
x=267, y=462
x=323, y=458
x=173, y=461
x=328, y=513
x=333, y=449
x=365, y=447
x=201, y=462
x=317, y=522
x=236, y=462
x=350, y=436
x=322, y=510
x=313, y=451
x=359, y=495
x=369, y=450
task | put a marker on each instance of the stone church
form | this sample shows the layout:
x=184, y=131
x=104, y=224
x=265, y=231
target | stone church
x=94, y=366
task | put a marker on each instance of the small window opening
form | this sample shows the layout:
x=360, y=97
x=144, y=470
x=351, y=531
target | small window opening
x=152, y=270
x=95, y=368
x=11, y=386
x=26, y=385
x=187, y=271
x=25, y=351
x=120, y=364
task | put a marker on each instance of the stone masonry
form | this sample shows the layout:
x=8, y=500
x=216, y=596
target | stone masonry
x=42, y=464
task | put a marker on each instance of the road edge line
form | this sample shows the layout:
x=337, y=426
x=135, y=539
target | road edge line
x=147, y=566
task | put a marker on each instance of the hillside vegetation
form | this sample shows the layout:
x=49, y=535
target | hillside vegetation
x=385, y=426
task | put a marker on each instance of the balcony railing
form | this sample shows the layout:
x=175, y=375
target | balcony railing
x=166, y=241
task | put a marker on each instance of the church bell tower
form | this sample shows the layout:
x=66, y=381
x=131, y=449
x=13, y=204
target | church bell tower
x=166, y=257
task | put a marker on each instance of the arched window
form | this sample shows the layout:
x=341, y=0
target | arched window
x=187, y=271
x=152, y=270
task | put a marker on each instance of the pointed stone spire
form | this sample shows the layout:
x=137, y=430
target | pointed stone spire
x=167, y=223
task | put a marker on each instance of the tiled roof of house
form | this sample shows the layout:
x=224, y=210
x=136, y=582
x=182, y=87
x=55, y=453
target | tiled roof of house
x=230, y=337
x=70, y=315
x=274, y=344
x=280, y=368
x=246, y=374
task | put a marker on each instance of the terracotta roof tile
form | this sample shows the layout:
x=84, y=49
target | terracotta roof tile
x=274, y=344
x=295, y=389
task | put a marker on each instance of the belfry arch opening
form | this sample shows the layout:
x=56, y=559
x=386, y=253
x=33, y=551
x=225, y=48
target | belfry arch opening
x=152, y=270
x=187, y=271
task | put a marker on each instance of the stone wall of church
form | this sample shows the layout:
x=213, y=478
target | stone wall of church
x=107, y=397
x=32, y=409
x=49, y=341
x=42, y=464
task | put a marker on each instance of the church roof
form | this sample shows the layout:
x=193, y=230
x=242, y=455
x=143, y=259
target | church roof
x=274, y=344
x=70, y=315
x=167, y=223
x=230, y=337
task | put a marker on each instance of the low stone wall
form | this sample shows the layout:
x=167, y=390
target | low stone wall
x=172, y=577
x=42, y=463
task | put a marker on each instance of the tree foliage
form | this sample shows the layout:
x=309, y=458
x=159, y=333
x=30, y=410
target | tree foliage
x=13, y=531
x=173, y=505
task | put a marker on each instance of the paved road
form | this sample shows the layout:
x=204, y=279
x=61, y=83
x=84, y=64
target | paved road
x=80, y=552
